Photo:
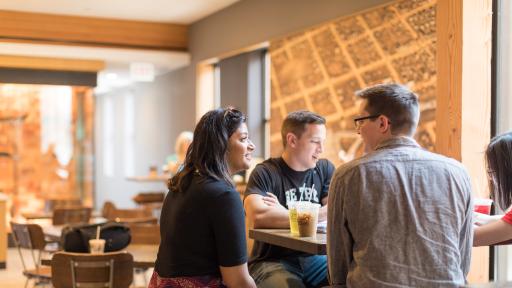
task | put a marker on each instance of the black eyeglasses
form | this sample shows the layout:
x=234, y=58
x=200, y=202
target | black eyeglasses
x=359, y=121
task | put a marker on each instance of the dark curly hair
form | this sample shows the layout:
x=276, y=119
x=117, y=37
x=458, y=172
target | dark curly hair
x=206, y=153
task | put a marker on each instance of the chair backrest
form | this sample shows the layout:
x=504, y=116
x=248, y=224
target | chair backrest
x=132, y=213
x=144, y=233
x=149, y=197
x=116, y=214
x=29, y=236
x=113, y=269
x=74, y=215
x=108, y=209
x=62, y=203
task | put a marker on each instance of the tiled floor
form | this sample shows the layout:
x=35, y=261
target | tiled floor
x=12, y=277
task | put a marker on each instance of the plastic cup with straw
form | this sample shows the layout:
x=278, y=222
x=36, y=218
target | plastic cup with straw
x=97, y=245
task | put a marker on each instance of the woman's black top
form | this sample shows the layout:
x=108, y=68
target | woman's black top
x=202, y=228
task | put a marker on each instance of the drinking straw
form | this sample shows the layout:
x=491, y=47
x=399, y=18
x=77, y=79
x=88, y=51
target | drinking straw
x=97, y=232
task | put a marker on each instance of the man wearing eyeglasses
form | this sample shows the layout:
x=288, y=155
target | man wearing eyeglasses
x=298, y=175
x=399, y=216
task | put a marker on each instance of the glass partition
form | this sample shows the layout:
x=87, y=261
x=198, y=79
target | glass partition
x=46, y=143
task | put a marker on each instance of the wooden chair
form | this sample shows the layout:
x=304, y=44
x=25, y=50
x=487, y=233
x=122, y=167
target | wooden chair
x=152, y=201
x=114, y=269
x=51, y=204
x=143, y=233
x=138, y=215
x=108, y=209
x=147, y=234
x=76, y=215
x=149, y=198
x=31, y=237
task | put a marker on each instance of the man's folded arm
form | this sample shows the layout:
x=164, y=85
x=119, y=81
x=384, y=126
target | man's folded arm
x=262, y=215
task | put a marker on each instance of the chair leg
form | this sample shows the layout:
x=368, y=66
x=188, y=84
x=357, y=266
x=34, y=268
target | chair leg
x=135, y=274
x=144, y=276
x=41, y=282
x=142, y=273
x=26, y=282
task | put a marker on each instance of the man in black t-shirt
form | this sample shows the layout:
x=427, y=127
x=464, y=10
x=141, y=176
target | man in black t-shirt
x=298, y=175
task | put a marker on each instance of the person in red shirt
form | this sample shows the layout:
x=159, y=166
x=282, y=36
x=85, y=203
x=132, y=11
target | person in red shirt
x=498, y=228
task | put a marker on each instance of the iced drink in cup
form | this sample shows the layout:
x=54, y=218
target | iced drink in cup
x=482, y=205
x=292, y=212
x=307, y=218
x=96, y=246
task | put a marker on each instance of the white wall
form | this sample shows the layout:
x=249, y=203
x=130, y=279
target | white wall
x=250, y=22
x=162, y=109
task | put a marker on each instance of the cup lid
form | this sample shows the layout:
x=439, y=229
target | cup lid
x=482, y=201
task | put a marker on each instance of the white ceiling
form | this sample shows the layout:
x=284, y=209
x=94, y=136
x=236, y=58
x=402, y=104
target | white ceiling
x=117, y=60
x=171, y=11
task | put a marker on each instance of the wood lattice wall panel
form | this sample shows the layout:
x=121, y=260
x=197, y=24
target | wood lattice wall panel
x=320, y=69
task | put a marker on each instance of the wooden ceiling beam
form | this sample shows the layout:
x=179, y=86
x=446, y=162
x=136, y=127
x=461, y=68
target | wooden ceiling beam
x=89, y=31
x=57, y=64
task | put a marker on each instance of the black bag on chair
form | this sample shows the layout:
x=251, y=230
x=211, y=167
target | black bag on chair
x=76, y=238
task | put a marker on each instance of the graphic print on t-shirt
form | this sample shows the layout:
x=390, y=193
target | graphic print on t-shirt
x=304, y=194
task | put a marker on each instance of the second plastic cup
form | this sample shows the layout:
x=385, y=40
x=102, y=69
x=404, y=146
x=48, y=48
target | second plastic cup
x=307, y=218
x=482, y=205
x=292, y=212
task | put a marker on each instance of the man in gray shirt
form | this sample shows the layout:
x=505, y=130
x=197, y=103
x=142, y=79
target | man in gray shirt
x=399, y=216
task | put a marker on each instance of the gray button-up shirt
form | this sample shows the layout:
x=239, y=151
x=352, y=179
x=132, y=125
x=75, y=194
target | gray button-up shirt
x=400, y=217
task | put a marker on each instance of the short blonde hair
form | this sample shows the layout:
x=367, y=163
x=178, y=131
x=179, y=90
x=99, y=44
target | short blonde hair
x=183, y=141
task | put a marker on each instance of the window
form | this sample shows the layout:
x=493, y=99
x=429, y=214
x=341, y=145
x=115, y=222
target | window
x=502, y=105
x=243, y=82
x=56, y=122
x=129, y=135
x=108, y=136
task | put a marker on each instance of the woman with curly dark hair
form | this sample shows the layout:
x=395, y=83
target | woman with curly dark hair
x=202, y=223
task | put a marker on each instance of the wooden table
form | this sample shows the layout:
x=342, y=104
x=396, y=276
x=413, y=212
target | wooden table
x=150, y=178
x=144, y=255
x=283, y=238
x=49, y=215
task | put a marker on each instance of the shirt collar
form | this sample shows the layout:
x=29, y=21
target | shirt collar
x=397, y=141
